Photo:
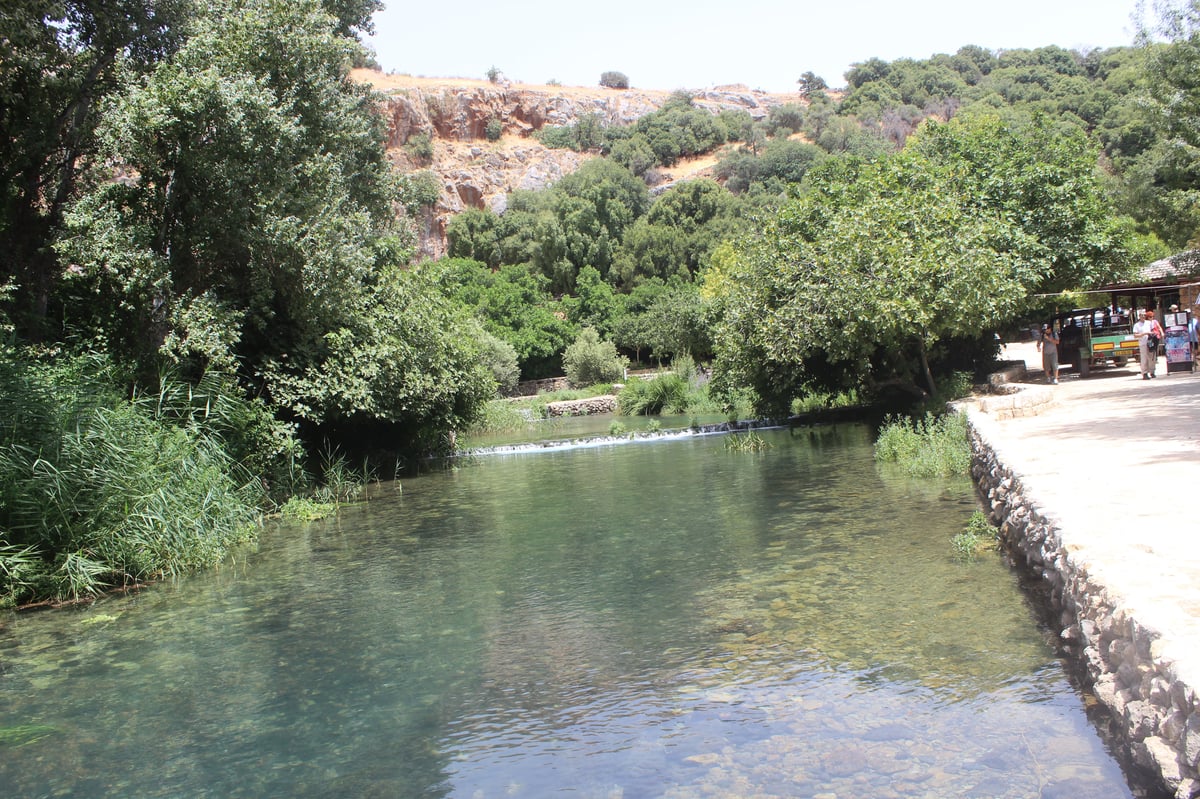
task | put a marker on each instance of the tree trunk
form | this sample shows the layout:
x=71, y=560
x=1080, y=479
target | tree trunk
x=925, y=367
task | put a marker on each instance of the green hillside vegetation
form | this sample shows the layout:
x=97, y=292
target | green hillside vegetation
x=197, y=207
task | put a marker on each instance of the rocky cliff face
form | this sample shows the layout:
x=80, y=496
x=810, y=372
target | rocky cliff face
x=477, y=173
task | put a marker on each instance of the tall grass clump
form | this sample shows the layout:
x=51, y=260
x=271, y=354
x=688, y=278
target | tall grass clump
x=749, y=441
x=933, y=446
x=666, y=393
x=246, y=428
x=98, y=490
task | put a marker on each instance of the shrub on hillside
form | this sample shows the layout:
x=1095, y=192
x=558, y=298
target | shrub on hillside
x=614, y=80
x=420, y=148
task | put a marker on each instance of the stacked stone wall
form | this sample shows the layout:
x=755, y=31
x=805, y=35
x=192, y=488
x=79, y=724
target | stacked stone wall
x=583, y=407
x=1155, y=713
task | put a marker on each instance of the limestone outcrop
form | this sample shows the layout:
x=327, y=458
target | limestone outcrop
x=477, y=173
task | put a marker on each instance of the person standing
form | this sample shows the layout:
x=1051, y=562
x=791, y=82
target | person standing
x=1048, y=344
x=1149, y=333
x=1194, y=335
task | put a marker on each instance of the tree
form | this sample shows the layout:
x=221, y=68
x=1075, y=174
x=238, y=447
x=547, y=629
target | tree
x=649, y=251
x=634, y=153
x=255, y=231
x=59, y=61
x=515, y=305
x=589, y=361
x=406, y=369
x=473, y=234
x=614, y=80
x=811, y=83
x=784, y=120
x=1174, y=72
x=884, y=262
x=260, y=180
x=676, y=323
x=595, y=304
x=591, y=209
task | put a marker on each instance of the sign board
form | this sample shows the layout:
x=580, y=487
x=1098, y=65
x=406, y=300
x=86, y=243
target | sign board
x=1177, y=343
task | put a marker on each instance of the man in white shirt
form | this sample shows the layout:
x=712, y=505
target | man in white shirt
x=1149, y=334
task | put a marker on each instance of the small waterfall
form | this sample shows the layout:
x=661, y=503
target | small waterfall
x=558, y=445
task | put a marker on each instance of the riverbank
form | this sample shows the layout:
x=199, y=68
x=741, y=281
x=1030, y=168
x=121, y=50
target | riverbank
x=1090, y=481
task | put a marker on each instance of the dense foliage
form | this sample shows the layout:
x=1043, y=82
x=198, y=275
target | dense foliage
x=882, y=262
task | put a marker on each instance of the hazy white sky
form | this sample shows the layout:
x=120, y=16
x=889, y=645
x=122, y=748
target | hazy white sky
x=693, y=44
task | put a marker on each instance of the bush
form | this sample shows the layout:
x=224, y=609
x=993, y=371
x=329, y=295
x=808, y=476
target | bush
x=614, y=80
x=501, y=359
x=420, y=148
x=494, y=129
x=935, y=446
x=307, y=510
x=663, y=394
x=418, y=190
x=979, y=534
x=589, y=360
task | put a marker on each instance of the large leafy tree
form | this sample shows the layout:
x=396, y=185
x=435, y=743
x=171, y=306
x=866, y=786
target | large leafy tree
x=59, y=60
x=251, y=229
x=676, y=236
x=1176, y=69
x=259, y=181
x=887, y=263
x=1171, y=169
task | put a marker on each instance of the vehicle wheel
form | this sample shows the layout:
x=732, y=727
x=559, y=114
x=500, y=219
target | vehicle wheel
x=1120, y=361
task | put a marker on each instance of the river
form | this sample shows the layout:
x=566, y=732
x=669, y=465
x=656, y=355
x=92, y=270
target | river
x=656, y=618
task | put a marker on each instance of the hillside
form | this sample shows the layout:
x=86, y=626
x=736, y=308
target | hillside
x=476, y=173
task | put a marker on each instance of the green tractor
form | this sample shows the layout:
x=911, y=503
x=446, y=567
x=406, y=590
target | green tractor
x=1092, y=338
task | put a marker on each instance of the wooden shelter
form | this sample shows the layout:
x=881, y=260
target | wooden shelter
x=1171, y=280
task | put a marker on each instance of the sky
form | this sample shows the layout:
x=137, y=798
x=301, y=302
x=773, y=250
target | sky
x=696, y=44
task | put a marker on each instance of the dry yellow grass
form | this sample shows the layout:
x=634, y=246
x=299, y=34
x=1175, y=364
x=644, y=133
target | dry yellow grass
x=392, y=81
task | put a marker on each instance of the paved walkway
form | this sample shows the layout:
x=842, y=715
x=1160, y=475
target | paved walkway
x=1116, y=460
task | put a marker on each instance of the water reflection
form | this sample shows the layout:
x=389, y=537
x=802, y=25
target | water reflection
x=665, y=619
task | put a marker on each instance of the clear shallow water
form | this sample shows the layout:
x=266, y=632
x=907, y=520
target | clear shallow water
x=663, y=619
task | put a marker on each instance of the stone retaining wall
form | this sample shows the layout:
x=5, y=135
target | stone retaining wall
x=531, y=388
x=1156, y=713
x=583, y=407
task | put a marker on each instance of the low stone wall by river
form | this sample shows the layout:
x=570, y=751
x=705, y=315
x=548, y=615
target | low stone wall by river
x=606, y=403
x=1155, y=712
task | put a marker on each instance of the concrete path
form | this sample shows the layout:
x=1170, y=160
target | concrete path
x=1115, y=461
